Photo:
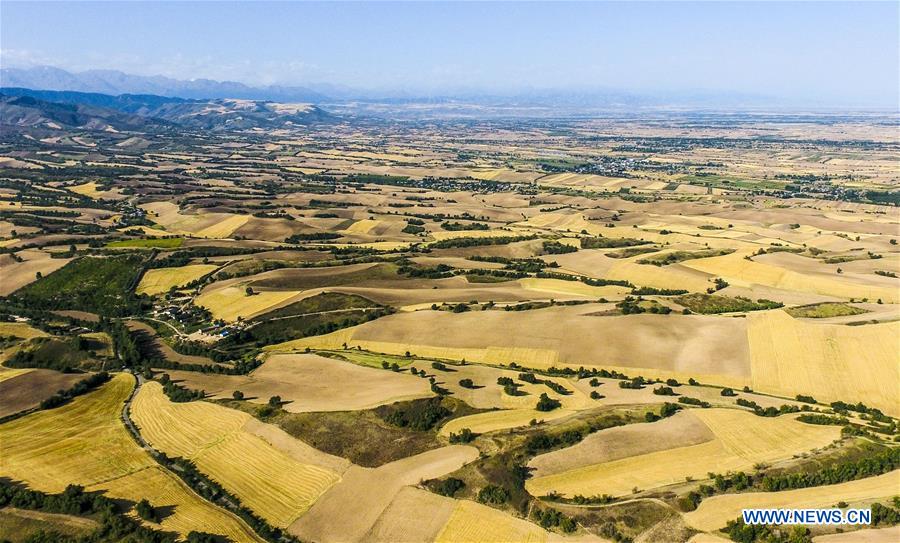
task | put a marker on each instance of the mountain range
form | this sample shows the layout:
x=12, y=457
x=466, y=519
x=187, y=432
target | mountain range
x=114, y=82
x=27, y=108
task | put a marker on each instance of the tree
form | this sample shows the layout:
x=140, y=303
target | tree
x=146, y=511
x=275, y=401
x=249, y=291
x=38, y=275
x=237, y=395
x=546, y=403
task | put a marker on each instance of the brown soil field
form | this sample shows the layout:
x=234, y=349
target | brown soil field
x=28, y=389
x=310, y=382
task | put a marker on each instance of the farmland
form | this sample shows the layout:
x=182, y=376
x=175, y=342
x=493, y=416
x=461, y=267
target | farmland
x=597, y=329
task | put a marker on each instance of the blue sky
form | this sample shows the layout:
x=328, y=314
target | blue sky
x=840, y=53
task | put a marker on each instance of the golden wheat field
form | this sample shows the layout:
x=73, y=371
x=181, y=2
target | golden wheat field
x=831, y=362
x=270, y=482
x=85, y=443
x=231, y=302
x=160, y=281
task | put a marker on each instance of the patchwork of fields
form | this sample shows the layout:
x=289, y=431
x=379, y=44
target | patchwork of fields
x=566, y=330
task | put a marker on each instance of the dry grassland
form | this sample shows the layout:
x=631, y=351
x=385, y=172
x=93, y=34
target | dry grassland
x=20, y=330
x=828, y=361
x=85, y=443
x=159, y=281
x=273, y=484
x=716, y=511
x=741, y=440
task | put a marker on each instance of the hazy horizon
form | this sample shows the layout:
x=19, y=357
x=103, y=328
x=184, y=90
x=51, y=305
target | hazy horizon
x=802, y=53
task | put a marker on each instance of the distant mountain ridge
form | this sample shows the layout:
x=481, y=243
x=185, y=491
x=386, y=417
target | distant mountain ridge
x=114, y=82
x=95, y=111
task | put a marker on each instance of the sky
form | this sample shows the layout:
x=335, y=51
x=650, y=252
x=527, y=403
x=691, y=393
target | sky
x=836, y=53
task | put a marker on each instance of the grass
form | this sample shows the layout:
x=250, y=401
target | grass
x=711, y=303
x=824, y=310
x=148, y=243
x=681, y=256
x=631, y=251
x=363, y=437
x=328, y=301
x=19, y=525
x=366, y=358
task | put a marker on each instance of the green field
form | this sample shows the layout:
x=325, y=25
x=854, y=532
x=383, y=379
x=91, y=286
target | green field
x=150, y=243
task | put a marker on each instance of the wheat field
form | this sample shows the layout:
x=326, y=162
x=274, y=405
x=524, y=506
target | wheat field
x=274, y=485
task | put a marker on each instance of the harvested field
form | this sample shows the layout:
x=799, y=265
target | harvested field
x=161, y=280
x=309, y=382
x=18, y=274
x=741, y=440
x=270, y=482
x=831, y=362
x=716, y=511
x=91, y=190
x=794, y=272
x=202, y=225
x=27, y=389
x=680, y=430
x=653, y=345
x=475, y=523
x=380, y=486
x=572, y=288
x=85, y=443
